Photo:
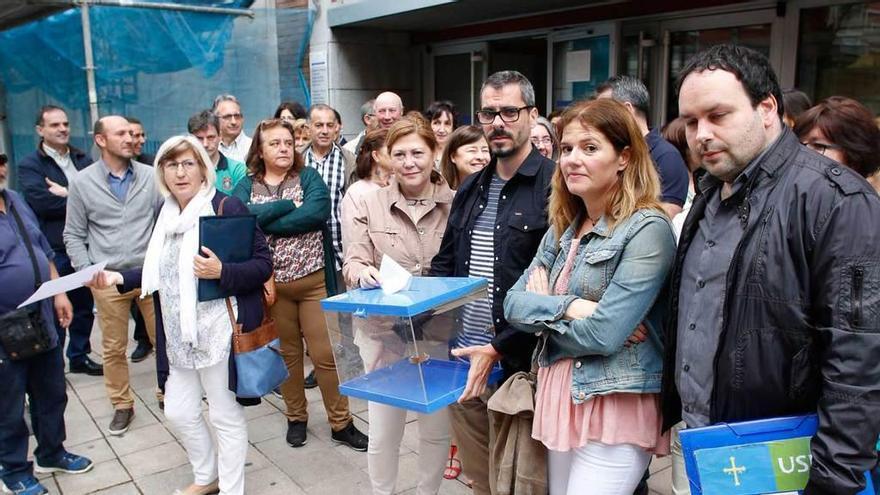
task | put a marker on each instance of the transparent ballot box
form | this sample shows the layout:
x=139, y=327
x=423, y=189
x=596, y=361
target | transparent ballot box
x=396, y=349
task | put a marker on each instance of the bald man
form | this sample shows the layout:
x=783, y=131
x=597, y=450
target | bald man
x=388, y=109
x=110, y=211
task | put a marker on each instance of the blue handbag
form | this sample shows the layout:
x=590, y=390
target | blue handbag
x=259, y=366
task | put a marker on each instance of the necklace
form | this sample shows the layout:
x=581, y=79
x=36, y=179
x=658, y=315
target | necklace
x=274, y=191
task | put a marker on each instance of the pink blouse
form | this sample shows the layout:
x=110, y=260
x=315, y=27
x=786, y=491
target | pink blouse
x=616, y=418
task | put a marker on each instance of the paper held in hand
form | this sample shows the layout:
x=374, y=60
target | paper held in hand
x=64, y=284
x=394, y=277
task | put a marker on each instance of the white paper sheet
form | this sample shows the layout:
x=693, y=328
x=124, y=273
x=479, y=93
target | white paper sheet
x=64, y=284
x=395, y=278
x=577, y=66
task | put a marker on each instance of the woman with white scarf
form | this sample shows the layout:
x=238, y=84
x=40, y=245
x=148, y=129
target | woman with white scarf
x=194, y=337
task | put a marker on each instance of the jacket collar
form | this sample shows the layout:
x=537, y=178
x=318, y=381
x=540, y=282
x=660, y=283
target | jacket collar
x=75, y=153
x=769, y=161
x=222, y=163
x=529, y=168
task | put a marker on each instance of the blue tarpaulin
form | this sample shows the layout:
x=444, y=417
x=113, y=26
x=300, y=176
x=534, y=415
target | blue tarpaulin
x=158, y=65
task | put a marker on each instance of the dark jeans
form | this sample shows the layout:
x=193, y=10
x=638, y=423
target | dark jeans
x=42, y=378
x=80, y=329
x=140, y=328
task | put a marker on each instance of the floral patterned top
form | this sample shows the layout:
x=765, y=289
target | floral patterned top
x=294, y=256
x=214, y=335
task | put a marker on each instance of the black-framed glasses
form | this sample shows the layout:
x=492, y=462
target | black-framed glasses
x=508, y=115
x=820, y=147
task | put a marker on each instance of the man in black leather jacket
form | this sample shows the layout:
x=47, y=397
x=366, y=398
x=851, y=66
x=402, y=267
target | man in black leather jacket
x=776, y=286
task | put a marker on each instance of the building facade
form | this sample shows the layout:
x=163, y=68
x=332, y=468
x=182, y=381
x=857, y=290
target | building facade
x=443, y=49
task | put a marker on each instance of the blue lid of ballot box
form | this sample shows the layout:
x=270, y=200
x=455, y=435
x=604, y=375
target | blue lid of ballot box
x=751, y=457
x=424, y=293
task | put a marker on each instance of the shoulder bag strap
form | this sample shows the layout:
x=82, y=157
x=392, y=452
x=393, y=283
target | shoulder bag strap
x=236, y=329
x=27, y=242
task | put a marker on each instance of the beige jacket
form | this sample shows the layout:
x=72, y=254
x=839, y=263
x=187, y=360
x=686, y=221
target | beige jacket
x=382, y=224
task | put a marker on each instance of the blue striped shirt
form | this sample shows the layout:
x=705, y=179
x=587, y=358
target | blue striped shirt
x=477, y=328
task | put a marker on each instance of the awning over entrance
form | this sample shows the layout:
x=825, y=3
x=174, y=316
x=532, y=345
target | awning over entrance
x=432, y=15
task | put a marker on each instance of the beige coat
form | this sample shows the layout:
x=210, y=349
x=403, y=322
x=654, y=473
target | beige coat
x=382, y=224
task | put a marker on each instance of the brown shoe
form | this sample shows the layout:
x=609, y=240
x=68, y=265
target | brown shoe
x=194, y=489
x=121, y=421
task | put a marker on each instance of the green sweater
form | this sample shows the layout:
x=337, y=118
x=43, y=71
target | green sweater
x=229, y=173
x=283, y=218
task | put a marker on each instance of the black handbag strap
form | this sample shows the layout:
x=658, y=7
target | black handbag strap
x=27, y=242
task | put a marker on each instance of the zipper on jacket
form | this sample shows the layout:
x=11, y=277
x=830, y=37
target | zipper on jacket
x=858, y=277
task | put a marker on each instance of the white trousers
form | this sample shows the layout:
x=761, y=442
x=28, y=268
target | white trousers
x=597, y=469
x=386, y=431
x=183, y=409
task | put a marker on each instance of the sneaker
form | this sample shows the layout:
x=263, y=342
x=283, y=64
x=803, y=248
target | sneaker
x=68, y=463
x=141, y=352
x=296, y=433
x=352, y=437
x=29, y=486
x=277, y=393
x=310, y=381
x=121, y=421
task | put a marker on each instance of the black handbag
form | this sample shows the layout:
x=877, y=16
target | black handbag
x=23, y=332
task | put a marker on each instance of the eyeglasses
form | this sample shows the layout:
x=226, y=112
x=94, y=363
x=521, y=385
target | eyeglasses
x=188, y=165
x=820, y=147
x=543, y=140
x=508, y=115
x=231, y=116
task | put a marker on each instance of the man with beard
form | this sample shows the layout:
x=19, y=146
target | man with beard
x=776, y=282
x=495, y=226
x=110, y=212
x=44, y=177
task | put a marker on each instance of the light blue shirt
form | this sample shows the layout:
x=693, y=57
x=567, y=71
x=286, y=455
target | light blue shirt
x=119, y=185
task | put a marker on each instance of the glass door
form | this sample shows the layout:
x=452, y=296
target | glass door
x=457, y=73
x=579, y=61
x=682, y=38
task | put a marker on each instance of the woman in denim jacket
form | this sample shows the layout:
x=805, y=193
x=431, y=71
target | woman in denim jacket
x=597, y=275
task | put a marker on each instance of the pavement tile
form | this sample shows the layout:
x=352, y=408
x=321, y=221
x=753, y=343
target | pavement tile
x=661, y=481
x=91, y=391
x=81, y=430
x=660, y=463
x=165, y=482
x=263, y=409
x=104, y=475
x=155, y=459
x=138, y=439
x=308, y=465
x=255, y=460
x=271, y=481
x=97, y=450
x=266, y=427
x=124, y=489
x=349, y=484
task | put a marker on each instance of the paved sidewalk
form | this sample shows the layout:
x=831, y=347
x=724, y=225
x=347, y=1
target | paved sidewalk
x=149, y=460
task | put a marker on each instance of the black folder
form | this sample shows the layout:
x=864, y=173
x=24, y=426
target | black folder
x=232, y=240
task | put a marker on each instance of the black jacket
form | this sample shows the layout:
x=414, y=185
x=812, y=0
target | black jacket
x=522, y=213
x=51, y=210
x=801, y=319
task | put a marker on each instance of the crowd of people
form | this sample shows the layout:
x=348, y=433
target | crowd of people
x=724, y=267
